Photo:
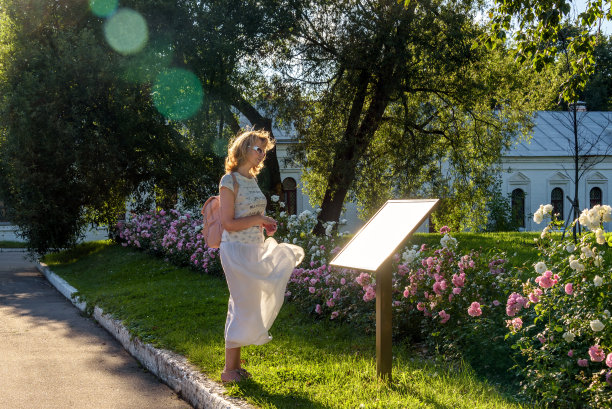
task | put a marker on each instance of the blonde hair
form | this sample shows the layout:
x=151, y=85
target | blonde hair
x=239, y=148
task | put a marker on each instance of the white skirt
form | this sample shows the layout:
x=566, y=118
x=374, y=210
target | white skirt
x=257, y=276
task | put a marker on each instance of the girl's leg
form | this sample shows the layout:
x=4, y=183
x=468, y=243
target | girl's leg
x=232, y=359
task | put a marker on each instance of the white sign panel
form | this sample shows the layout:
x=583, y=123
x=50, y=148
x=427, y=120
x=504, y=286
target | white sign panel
x=383, y=233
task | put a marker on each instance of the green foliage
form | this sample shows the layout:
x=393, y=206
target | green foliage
x=501, y=217
x=79, y=137
x=538, y=31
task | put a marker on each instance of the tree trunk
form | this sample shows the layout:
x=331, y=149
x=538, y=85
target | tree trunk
x=355, y=141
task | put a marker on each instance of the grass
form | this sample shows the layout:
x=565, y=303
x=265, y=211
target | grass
x=309, y=364
x=7, y=244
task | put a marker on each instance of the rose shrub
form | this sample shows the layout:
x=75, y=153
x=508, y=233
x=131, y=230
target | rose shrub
x=565, y=332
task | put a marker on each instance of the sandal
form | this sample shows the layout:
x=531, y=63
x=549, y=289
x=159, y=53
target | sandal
x=231, y=376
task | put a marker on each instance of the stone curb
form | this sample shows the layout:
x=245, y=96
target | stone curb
x=173, y=369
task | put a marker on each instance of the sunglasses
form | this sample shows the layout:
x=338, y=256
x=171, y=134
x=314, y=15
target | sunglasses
x=258, y=150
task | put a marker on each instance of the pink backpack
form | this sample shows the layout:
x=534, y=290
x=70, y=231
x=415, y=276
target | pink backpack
x=211, y=212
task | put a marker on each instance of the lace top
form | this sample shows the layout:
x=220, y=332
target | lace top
x=250, y=201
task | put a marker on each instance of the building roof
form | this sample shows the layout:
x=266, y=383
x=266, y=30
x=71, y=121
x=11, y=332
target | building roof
x=553, y=134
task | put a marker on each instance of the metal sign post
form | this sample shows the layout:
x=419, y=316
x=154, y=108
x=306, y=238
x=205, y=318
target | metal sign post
x=371, y=249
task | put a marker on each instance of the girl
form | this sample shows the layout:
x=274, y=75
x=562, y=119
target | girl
x=256, y=271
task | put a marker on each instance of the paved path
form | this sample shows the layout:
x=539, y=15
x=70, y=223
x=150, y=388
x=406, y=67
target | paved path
x=52, y=357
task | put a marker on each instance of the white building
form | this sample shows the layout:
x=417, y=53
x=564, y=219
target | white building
x=538, y=171
x=541, y=170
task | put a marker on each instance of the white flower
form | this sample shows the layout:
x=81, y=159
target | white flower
x=546, y=229
x=448, y=241
x=343, y=222
x=598, y=281
x=328, y=230
x=538, y=217
x=598, y=261
x=606, y=314
x=295, y=240
x=409, y=256
x=274, y=198
x=282, y=214
x=599, y=234
x=606, y=215
x=547, y=209
x=586, y=252
x=282, y=204
x=540, y=267
x=576, y=265
x=596, y=325
x=570, y=247
x=568, y=336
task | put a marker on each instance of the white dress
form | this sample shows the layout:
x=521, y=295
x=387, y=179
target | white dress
x=256, y=271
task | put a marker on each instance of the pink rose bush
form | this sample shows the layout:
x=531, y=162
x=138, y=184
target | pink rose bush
x=172, y=235
x=565, y=303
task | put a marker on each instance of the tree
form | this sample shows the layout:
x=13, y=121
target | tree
x=79, y=138
x=536, y=27
x=228, y=44
x=397, y=102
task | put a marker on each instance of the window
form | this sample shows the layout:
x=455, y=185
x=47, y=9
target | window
x=556, y=200
x=595, y=196
x=518, y=207
x=290, y=195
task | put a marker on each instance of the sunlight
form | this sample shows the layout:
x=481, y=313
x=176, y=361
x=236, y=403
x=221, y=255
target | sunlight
x=177, y=94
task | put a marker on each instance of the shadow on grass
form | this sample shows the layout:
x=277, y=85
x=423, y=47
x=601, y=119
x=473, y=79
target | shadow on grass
x=265, y=396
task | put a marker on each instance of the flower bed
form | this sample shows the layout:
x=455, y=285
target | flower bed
x=555, y=316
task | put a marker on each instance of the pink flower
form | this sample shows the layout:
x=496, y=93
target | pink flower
x=596, y=353
x=496, y=303
x=406, y=293
x=444, y=230
x=311, y=290
x=363, y=279
x=534, y=297
x=569, y=289
x=318, y=309
x=342, y=281
x=570, y=353
x=459, y=280
x=609, y=378
x=546, y=280
x=330, y=303
x=542, y=340
x=514, y=304
x=583, y=363
x=436, y=288
x=334, y=314
x=609, y=360
x=444, y=317
x=456, y=290
x=420, y=306
x=423, y=247
x=517, y=323
x=370, y=293
x=474, y=309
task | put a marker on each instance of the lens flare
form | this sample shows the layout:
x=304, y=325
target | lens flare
x=126, y=31
x=177, y=94
x=103, y=8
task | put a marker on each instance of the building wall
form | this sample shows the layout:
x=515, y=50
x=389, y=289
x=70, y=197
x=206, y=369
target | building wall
x=538, y=176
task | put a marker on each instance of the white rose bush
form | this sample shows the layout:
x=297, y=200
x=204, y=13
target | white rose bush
x=565, y=336
x=550, y=322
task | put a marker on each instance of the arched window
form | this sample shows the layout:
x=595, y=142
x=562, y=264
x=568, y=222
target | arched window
x=595, y=196
x=290, y=195
x=518, y=207
x=556, y=200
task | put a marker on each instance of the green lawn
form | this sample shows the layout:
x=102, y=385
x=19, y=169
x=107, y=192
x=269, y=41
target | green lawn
x=309, y=364
x=6, y=244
